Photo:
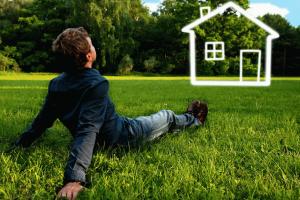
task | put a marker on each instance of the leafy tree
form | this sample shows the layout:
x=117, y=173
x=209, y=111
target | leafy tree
x=237, y=32
x=285, y=49
x=31, y=30
x=155, y=42
x=216, y=3
x=113, y=25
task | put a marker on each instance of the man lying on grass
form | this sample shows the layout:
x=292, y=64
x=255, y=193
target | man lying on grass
x=79, y=99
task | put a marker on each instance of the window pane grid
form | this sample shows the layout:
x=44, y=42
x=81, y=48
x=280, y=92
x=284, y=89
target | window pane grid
x=214, y=51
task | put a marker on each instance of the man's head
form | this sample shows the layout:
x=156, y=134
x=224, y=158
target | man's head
x=74, y=49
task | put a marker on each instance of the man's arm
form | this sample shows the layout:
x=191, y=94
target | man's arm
x=43, y=120
x=91, y=118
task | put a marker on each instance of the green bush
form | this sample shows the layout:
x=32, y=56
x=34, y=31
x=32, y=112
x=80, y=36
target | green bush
x=205, y=68
x=8, y=59
x=150, y=64
x=8, y=64
x=125, y=66
x=249, y=68
x=221, y=67
x=234, y=66
x=229, y=66
x=168, y=68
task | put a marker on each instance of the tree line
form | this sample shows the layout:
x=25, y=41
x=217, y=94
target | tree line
x=128, y=37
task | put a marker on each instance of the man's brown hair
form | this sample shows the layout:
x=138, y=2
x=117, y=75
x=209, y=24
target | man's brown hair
x=71, y=47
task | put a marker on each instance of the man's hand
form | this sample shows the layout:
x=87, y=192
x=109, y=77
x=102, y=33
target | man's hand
x=70, y=191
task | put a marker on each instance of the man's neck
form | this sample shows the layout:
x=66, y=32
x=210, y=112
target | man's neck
x=88, y=66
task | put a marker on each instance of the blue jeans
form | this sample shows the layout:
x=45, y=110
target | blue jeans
x=147, y=128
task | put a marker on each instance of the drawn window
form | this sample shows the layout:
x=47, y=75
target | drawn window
x=214, y=51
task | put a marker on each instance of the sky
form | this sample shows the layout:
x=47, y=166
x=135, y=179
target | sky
x=290, y=9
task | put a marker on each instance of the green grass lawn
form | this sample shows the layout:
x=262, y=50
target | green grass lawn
x=249, y=148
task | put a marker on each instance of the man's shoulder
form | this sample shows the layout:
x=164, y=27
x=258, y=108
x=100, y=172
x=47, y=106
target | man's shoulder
x=60, y=76
x=77, y=82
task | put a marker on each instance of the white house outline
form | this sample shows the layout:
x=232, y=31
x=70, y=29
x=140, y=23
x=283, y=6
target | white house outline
x=220, y=10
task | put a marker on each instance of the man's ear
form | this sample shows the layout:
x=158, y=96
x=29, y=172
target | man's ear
x=89, y=56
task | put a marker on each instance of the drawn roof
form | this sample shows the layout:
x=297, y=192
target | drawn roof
x=220, y=10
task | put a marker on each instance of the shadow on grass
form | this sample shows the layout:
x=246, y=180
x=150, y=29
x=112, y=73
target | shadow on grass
x=142, y=146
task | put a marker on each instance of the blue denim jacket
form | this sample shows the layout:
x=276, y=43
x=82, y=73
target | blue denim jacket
x=81, y=102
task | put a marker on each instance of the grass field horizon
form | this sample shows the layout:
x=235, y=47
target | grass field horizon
x=248, y=149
